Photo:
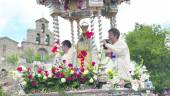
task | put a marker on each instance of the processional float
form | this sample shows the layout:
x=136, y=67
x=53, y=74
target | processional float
x=76, y=10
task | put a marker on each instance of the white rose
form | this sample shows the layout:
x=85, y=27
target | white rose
x=24, y=83
x=44, y=77
x=50, y=75
x=39, y=75
x=71, y=72
x=95, y=77
x=85, y=72
x=91, y=80
x=63, y=80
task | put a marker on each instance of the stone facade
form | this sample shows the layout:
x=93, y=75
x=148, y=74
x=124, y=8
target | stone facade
x=39, y=39
x=7, y=47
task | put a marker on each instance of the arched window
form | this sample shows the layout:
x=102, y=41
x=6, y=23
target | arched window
x=38, y=38
x=47, y=39
x=43, y=28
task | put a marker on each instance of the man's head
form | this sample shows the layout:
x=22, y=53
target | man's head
x=66, y=45
x=114, y=34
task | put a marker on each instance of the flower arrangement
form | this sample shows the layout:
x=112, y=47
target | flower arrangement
x=55, y=78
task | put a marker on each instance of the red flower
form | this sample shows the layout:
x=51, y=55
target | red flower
x=64, y=61
x=19, y=69
x=33, y=83
x=40, y=70
x=59, y=75
x=30, y=76
x=82, y=69
x=82, y=80
x=28, y=69
x=89, y=34
x=54, y=70
x=83, y=53
x=77, y=75
x=54, y=49
x=46, y=73
x=93, y=63
x=69, y=78
x=70, y=65
x=60, y=67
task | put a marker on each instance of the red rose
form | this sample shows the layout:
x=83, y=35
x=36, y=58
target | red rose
x=40, y=70
x=82, y=80
x=82, y=69
x=70, y=65
x=33, y=83
x=28, y=69
x=46, y=73
x=54, y=70
x=89, y=34
x=93, y=63
x=69, y=78
x=64, y=61
x=19, y=69
x=54, y=49
x=60, y=67
x=30, y=76
x=84, y=53
x=59, y=75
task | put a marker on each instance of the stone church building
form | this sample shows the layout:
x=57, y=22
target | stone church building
x=39, y=39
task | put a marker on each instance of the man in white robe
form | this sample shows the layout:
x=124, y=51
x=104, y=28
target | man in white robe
x=69, y=53
x=121, y=51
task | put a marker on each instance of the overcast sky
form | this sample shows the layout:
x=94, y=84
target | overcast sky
x=16, y=16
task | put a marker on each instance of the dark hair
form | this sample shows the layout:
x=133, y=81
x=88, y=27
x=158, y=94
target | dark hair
x=115, y=31
x=66, y=43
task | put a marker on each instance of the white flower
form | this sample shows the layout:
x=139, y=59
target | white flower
x=63, y=80
x=39, y=75
x=50, y=75
x=91, y=80
x=94, y=71
x=85, y=72
x=95, y=77
x=24, y=83
x=71, y=72
x=44, y=77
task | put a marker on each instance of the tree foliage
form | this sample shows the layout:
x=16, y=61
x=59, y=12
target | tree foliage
x=148, y=42
x=13, y=58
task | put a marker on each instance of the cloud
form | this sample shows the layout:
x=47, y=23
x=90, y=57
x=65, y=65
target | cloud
x=143, y=12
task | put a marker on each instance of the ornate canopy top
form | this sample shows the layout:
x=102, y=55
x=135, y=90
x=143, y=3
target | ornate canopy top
x=82, y=8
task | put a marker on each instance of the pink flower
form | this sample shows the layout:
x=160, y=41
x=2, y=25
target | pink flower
x=93, y=63
x=33, y=83
x=19, y=69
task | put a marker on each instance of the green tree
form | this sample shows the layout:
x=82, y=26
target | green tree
x=29, y=55
x=13, y=58
x=148, y=42
x=37, y=57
